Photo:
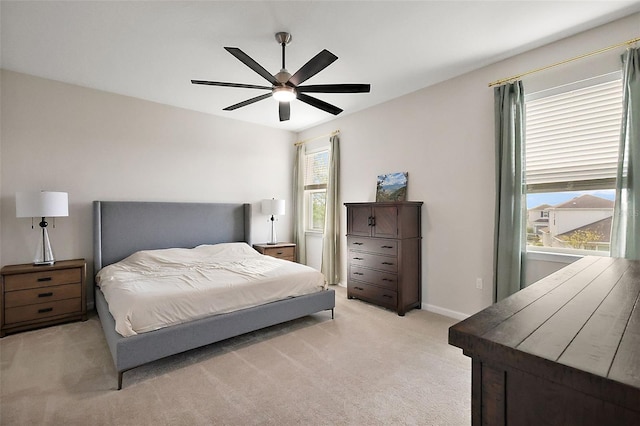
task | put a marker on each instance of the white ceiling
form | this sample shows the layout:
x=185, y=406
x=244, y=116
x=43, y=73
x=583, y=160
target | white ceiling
x=151, y=50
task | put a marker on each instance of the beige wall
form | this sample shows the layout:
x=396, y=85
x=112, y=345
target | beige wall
x=101, y=146
x=444, y=137
x=97, y=145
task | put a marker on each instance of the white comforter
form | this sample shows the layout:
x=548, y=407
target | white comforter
x=157, y=288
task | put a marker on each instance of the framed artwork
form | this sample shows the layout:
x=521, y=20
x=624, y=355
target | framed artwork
x=392, y=187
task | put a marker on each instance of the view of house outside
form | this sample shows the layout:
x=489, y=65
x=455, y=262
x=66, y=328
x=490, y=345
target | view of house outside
x=316, y=177
x=570, y=220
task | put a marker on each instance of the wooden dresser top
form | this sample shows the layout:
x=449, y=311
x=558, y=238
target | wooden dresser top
x=577, y=326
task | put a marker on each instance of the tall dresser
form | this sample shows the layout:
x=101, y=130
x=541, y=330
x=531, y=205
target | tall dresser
x=384, y=254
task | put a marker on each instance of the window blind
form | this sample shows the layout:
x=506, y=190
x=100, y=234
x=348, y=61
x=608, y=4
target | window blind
x=316, y=170
x=572, y=138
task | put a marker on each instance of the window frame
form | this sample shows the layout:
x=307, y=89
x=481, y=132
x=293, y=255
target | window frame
x=566, y=185
x=310, y=189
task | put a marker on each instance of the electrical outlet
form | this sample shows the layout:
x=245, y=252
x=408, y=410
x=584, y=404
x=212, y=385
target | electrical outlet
x=479, y=283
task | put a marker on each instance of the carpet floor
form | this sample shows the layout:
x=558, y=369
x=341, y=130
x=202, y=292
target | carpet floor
x=368, y=366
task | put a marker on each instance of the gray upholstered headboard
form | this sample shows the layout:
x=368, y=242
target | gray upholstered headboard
x=121, y=228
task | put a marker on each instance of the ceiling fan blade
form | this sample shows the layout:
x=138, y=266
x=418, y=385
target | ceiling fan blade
x=220, y=83
x=285, y=110
x=248, y=61
x=332, y=109
x=247, y=102
x=336, y=88
x=313, y=67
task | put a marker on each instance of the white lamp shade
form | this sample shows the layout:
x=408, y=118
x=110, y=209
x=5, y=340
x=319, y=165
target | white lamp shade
x=273, y=207
x=42, y=204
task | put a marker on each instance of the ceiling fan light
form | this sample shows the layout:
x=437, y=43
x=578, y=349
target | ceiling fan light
x=284, y=93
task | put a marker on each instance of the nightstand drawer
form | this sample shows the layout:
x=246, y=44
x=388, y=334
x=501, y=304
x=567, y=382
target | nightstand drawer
x=41, y=295
x=42, y=279
x=42, y=310
x=281, y=252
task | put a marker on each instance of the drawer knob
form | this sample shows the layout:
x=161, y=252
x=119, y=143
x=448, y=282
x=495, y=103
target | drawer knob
x=49, y=294
x=43, y=279
x=43, y=310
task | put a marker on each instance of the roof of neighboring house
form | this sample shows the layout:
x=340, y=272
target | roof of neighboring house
x=542, y=220
x=585, y=201
x=541, y=207
x=602, y=228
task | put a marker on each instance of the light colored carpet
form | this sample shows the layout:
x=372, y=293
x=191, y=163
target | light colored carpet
x=368, y=366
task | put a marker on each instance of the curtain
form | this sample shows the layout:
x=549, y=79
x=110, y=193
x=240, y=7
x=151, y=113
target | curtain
x=509, y=232
x=331, y=236
x=625, y=232
x=298, y=205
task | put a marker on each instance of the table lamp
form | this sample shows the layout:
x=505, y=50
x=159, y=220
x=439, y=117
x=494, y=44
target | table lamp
x=42, y=204
x=273, y=207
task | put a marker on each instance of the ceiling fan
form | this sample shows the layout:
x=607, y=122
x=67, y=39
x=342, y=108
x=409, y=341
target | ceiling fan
x=286, y=87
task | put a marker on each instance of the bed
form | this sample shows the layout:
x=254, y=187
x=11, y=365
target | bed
x=124, y=228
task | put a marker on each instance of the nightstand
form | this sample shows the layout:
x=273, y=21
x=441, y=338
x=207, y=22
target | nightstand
x=286, y=251
x=36, y=296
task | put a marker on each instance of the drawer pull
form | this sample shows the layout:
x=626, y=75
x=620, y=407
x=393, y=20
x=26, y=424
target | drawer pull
x=358, y=258
x=44, y=310
x=280, y=252
x=386, y=247
x=46, y=294
x=387, y=263
x=387, y=279
x=359, y=288
x=358, y=273
x=357, y=244
x=386, y=295
x=43, y=279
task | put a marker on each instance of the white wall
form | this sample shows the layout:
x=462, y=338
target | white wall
x=101, y=146
x=444, y=137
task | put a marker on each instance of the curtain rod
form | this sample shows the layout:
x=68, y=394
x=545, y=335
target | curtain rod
x=504, y=80
x=335, y=132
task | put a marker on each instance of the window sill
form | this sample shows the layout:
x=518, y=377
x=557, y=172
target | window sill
x=554, y=254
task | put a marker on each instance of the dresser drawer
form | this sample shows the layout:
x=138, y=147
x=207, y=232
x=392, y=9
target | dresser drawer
x=373, y=245
x=42, y=295
x=42, y=279
x=379, y=278
x=42, y=310
x=375, y=261
x=380, y=296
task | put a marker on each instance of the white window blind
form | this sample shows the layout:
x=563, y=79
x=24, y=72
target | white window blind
x=572, y=138
x=316, y=170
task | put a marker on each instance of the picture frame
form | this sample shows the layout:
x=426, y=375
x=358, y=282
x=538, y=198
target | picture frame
x=392, y=187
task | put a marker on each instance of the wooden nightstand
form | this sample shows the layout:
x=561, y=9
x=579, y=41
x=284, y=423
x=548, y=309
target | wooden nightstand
x=286, y=251
x=37, y=296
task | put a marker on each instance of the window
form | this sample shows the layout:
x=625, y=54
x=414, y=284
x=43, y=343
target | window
x=315, y=189
x=571, y=156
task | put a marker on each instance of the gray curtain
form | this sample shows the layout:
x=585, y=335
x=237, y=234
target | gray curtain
x=625, y=232
x=331, y=236
x=509, y=233
x=298, y=205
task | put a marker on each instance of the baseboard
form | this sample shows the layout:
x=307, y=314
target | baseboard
x=446, y=312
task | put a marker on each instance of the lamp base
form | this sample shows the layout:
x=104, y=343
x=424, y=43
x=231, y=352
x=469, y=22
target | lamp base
x=272, y=237
x=44, y=253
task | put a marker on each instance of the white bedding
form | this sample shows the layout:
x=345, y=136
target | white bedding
x=157, y=288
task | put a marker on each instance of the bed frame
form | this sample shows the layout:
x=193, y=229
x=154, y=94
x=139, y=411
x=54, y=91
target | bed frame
x=122, y=228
